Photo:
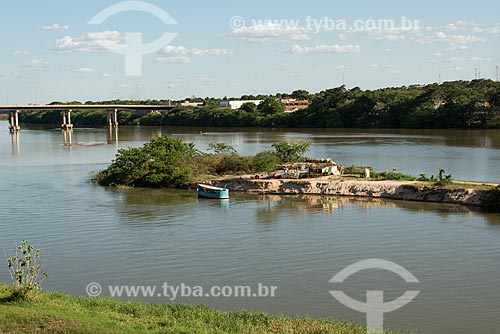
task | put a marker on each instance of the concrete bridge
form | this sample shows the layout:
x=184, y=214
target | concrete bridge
x=111, y=112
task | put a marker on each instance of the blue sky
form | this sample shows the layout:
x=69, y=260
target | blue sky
x=49, y=51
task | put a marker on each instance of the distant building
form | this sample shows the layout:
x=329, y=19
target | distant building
x=191, y=104
x=292, y=105
x=237, y=104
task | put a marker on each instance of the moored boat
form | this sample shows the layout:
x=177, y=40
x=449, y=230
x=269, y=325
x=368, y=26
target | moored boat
x=212, y=192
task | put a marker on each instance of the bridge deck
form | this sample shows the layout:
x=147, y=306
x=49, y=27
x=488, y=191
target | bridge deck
x=86, y=107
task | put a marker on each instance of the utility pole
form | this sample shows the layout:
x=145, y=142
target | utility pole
x=169, y=97
x=439, y=78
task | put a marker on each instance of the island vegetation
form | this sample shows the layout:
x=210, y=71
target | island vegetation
x=170, y=162
x=457, y=104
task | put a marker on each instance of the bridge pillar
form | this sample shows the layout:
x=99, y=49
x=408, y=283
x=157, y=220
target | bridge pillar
x=112, y=118
x=14, y=122
x=66, y=120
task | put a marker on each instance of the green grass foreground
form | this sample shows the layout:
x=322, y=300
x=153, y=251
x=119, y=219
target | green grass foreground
x=50, y=312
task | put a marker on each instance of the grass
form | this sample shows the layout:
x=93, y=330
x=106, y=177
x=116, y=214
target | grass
x=392, y=176
x=49, y=312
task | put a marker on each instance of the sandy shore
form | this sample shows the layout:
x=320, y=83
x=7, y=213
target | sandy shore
x=398, y=190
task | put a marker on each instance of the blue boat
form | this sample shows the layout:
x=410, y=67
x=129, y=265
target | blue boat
x=212, y=192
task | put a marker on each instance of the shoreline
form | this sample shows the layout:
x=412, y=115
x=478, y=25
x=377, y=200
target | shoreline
x=336, y=186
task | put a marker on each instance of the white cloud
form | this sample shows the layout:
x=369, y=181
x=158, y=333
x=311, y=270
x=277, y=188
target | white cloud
x=490, y=30
x=107, y=75
x=83, y=70
x=269, y=32
x=343, y=67
x=91, y=42
x=480, y=59
x=442, y=37
x=321, y=49
x=37, y=63
x=173, y=60
x=458, y=48
x=455, y=59
x=178, y=54
x=211, y=52
x=19, y=53
x=457, y=25
x=180, y=50
x=55, y=27
x=13, y=75
x=390, y=37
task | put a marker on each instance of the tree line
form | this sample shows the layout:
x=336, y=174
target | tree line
x=457, y=104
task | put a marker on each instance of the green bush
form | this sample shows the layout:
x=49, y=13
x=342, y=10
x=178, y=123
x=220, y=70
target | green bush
x=290, y=152
x=164, y=162
x=235, y=164
x=221, y=149
x=392, y=176
x=266, y=161
x=25, y=270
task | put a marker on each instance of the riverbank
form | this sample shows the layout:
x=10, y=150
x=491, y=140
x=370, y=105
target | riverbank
x=60, y=313
x=470, y=194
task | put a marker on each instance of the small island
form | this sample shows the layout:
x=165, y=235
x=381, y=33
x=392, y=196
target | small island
x=171, y=163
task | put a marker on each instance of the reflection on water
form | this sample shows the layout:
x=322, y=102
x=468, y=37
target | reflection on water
x=15, y=139
x=113, y=136
x=68, y=137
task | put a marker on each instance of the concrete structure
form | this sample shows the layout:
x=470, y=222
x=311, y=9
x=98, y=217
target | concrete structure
x=111, y=112
x=14, y=121
x=112, y=118
x=66, y=123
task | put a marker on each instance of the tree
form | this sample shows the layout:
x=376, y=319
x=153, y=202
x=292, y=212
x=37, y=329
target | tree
x=164, y=162
x=291, y=152
x=221, y=149
x=249, y=107
x=271, y=106
x=300, y=94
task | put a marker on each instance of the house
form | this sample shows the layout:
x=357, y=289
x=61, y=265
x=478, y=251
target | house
x=292, y=105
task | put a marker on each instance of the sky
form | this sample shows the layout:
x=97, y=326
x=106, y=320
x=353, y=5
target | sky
x=50, y=52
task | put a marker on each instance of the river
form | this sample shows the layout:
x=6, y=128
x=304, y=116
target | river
x=150, y=236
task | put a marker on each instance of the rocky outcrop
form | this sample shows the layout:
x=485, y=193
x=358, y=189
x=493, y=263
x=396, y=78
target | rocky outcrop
x=399, y=190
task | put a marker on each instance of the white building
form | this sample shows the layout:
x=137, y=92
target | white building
x=237, y=104
x=191, y=104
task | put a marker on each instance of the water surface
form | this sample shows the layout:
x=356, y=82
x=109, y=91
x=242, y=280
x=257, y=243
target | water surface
x=150, y=236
